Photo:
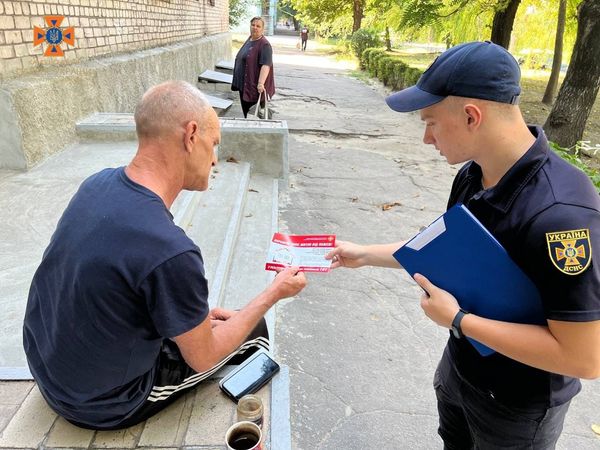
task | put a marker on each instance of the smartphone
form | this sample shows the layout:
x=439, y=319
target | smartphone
x=250, y=376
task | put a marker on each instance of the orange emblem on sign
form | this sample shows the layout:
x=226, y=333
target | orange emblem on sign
x=54, y=36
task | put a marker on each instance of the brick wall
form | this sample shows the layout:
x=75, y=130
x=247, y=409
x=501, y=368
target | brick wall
x=103, y=27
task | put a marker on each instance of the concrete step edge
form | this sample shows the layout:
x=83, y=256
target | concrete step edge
x=279, y=420
x=224, y=260
x=183, y=214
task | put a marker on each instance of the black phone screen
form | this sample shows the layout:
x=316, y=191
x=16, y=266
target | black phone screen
x=250, y=377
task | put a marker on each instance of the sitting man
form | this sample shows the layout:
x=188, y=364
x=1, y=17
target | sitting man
x=117, y=324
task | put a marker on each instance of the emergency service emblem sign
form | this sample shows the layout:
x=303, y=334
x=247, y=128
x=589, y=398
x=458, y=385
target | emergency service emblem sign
x=570, y=251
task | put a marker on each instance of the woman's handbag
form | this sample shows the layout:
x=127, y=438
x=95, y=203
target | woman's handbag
x=262, y=111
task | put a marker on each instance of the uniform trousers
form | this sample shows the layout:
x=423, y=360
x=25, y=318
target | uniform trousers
x=470, y=418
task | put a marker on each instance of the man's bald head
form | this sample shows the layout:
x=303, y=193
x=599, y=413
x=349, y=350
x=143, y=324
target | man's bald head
x=169, y=106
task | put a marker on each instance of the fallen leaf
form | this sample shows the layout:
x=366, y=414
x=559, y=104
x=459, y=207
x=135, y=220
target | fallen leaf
x=387, y=206
x=252, y=190
x=354, y=199
x=248, y=215
x=231, y=159
x=596, y=428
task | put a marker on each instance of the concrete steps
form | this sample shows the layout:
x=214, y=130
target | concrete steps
x=235, y=203
x=215, y=225
x=247, y=275
x=225, y=66
x=213, y=76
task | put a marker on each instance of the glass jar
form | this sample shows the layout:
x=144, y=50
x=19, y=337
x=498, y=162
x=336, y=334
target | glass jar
x=250, y=408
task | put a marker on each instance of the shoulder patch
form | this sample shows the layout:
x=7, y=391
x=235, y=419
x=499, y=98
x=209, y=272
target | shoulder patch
x=570, y=251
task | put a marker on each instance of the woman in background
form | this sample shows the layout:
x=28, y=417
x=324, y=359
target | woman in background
x=253, y=69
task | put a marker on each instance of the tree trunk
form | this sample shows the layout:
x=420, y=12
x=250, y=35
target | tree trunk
x=558, y=51
x=568, y=117
x=388, y=39
x=357, y=14
x=503, y=22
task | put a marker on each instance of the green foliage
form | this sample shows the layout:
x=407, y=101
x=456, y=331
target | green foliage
x=325, y=17
x=389, y=68
x=441, y=21
x=237, y=9
x=534, y=31
x=363, y=39
x=572, y=155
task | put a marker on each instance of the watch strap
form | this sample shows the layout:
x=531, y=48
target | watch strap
x=456, y=329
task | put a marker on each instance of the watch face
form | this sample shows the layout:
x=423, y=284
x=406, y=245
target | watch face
x=455, y=333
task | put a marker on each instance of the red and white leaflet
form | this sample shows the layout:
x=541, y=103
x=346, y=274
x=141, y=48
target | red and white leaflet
x=304, y=251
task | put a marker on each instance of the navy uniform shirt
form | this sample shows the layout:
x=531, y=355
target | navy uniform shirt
x=546, y=214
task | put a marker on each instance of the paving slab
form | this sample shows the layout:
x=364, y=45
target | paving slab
x=212, y=76
x=225, y=66
x=169, y=427
x=66, y=435
x=30, y=424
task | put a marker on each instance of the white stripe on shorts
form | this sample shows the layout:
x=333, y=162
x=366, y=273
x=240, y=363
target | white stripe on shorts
x=164, y=392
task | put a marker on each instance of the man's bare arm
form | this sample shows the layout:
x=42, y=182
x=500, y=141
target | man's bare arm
x=205, y=346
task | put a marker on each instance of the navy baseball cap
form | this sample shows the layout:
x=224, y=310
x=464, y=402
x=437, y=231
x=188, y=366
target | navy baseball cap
x=481, y=70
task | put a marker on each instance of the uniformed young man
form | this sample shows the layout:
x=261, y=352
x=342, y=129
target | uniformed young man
x=546, y=214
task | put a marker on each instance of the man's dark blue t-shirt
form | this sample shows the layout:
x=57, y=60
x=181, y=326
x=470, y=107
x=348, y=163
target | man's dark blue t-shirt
x=117, y=278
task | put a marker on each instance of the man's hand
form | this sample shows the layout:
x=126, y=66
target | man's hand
x=347, y=254
x=287, y=283
x=440, y=306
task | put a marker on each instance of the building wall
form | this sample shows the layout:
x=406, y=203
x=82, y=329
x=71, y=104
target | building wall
x=103, y=27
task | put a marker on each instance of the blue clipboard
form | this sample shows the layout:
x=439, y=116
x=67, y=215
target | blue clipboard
x=458, y=254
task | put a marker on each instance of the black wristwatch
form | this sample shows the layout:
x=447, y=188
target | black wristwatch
x=456, y=330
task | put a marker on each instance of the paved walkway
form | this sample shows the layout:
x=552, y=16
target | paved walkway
x=360, y=350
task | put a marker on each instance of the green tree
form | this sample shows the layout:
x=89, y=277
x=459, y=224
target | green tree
x=566, y=122
x=380, y=15
x=552, y=85
x=331, y=16
x=502, y=24
x=237, y=8
x=286, y=10
x=535, y=24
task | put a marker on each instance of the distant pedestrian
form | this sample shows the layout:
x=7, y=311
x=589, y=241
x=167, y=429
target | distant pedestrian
x=304, y=37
